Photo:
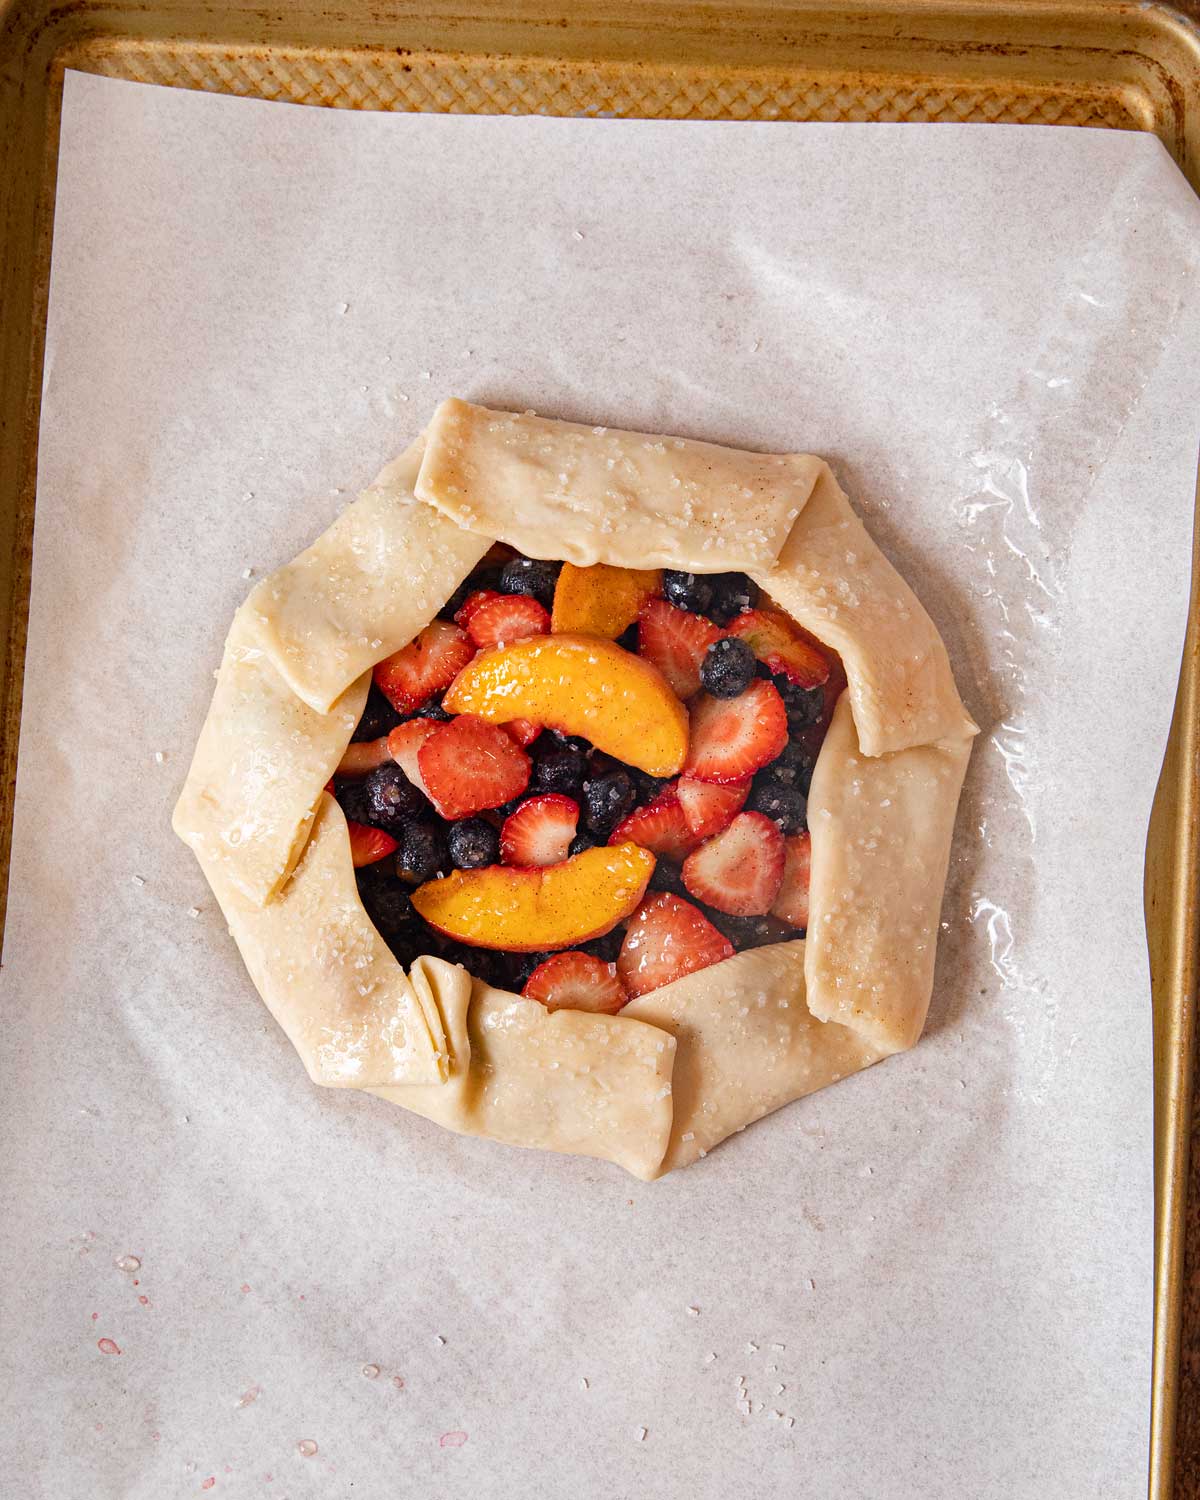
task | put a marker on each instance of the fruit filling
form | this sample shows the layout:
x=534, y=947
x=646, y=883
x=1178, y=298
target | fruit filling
x=584, y=783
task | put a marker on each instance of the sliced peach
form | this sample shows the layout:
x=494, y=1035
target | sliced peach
x=580, y=685
x=601, y=600
x=548, y=906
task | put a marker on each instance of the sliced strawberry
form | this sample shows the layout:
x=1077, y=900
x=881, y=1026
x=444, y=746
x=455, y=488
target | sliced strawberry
x=524, y=731
x=469, y=764
x=731, y=738
x=507, y=618
x=466, y=611
x=425, y=666
x=667, y=938
x=674, y=641
x=792, y=901
x=740, y=870
x=539, y=832
x=404, y=744
x=708, y=806
x=367, y=844
x=780, y=643
x=576, y=981
x=363, y=756
x=660, y=826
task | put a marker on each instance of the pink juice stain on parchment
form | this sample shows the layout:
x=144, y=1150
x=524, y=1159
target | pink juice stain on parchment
x=107, y=1346
x=207, y=1484
x=452, y=1439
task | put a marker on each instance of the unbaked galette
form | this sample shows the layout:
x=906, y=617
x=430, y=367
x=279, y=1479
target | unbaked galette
x=584, y=789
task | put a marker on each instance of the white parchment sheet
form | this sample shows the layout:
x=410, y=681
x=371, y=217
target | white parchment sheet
x=933, y=1280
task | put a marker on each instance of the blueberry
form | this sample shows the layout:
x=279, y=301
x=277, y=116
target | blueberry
x=731, y=594
x=506, y=809
x=351, y=796
x=750, y=932
x=728, y=668
x=583, y=841
x=473, y=842
x=628, y=639
x=422, y=853
x=392, y=800
x=607, y=799
x=377, y=717
x=387, y=901
x=786, y=806
x=692, y=591
x=805, y=706
x=409, y=943
x=432, y=710
x=605, y=948
x=555, y=739
x=648, y=787
x=793, y=766
x=528, y=575
x=560, y=770
x=524, y=965
x=454, y=952
x=503, y=969
x=669, y=877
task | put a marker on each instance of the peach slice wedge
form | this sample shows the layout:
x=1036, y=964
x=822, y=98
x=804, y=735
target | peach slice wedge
x=537, y=907
x=601, y=600
x=580, y=685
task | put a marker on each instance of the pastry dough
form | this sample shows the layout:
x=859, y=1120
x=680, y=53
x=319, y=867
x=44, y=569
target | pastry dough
x=684, y=1066
x=747, y=1045
x=261, y=761
x=559, y=1080
x=597, y=494
x=834, y=580
x=881, y=828
x=329, y=616
x=327, y=976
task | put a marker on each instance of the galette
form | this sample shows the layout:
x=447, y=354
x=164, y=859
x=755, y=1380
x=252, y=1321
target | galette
x=584, y=789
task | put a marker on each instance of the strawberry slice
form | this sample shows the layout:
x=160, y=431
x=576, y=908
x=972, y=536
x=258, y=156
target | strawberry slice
x=524, y=731
x=468, y=765
x=667, y=938
x=792, y=901
x=675, y=640
x=466, y=611
x=708, y=806
x=539, y=832
x=660, y=826
x=780, y=643
x=367, y=844
x=505, y=619
x=363, y=756
x=576, y=981
x=740, y=870
x=425, y=666
x=404, y=744
x=731, y=738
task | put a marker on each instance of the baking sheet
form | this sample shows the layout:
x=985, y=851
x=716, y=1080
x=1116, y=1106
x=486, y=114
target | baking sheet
x=945, y=1262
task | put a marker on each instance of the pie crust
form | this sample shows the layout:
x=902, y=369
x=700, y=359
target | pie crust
x=683, y=1067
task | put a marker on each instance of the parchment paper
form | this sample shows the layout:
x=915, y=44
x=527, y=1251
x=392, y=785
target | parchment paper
x=932, y=1280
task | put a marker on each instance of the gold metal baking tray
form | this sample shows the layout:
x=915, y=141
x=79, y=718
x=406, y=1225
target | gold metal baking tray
x=1046, y=62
